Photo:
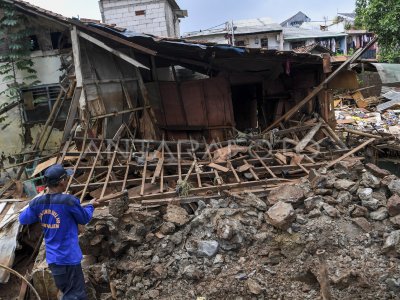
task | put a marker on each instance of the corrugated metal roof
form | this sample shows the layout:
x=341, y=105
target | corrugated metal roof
x=389, y=73
x=246, y=26
x=291, y=33
x=259, y=29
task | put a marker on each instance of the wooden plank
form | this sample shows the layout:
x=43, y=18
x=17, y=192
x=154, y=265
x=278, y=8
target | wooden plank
x=252, y=171
x=91, y=171
x=179, y=161
x=77, y=57
x=263, y=164
x=111, y=50
x=127, y=168
x=309, y=136
x=218, y=167
x=157, y=172
x=360, y=133
x=350, y=153
x=144, y=171
x=113, y=37
x=110, y=167
x=333, y=135
x=117, y=113
x=234, y=171
x=79, y=159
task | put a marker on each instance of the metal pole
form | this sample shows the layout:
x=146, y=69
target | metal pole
x=233, y=34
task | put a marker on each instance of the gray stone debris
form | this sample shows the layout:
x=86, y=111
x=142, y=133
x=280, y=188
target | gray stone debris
x=343, y=184
x=364, y=194
x=379, y=215
x=286, y=193
x=256, y=246
x=207, y=248
x=281, y=215
x=394, y=186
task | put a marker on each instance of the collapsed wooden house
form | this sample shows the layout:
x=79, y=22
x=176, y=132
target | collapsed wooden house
x=165, y=119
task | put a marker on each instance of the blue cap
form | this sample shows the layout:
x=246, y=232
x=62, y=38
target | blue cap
x=55, y=173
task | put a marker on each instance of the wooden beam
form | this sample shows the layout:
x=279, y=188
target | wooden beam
x=350, y=153
x=111, y=50
x=77, y=57
x=309, y=136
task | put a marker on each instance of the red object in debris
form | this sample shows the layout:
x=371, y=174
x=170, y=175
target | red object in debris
x=40, y=188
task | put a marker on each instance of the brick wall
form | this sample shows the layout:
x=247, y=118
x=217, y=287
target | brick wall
x=158, y=18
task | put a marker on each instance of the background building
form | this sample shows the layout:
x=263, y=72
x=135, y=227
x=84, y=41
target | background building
x=157, y=17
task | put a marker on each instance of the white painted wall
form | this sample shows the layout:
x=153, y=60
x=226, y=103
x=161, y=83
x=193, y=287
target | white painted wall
x=11, y=139
x=159, y=18
x=254, y=41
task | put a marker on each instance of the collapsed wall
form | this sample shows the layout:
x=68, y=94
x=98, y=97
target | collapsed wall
x=333, y=234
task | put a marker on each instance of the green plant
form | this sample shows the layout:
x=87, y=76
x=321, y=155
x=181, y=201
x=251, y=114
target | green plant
x=382, y=17
x=15, y=59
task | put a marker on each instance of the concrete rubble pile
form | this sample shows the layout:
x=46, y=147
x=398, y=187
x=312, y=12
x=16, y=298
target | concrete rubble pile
x=333, y=234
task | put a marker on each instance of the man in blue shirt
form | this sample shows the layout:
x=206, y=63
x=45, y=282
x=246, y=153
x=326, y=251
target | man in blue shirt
x=59, y=215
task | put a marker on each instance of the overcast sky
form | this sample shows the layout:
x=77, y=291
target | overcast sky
x=204, y=14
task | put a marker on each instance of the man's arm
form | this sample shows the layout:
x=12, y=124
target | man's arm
x=81, y=214
x=28, y=216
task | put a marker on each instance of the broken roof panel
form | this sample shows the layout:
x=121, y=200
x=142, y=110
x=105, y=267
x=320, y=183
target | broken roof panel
x=389, y=73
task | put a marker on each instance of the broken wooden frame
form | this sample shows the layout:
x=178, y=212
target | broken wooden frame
x=153, y=171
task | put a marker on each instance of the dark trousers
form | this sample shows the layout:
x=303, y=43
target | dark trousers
x=70, y=281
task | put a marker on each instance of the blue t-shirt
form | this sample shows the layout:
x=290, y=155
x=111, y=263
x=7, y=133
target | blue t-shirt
x=59, y=215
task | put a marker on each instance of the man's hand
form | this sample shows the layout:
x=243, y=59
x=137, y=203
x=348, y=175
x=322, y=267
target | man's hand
x=95, y=203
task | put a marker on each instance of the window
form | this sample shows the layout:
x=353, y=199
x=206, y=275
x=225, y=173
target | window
x=239, y=43
x=39, y=101
x=264, y=43
x=140, y=12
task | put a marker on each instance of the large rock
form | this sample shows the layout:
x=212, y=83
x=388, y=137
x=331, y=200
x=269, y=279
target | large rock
x=313, y=202
x=394, y=186
x=286, y=193
x=281, y=215
x=393, y=205
x=344, y=198
x=254, y=287
x=363, y=224
x=379, y=215
x=359, y=211
x=177, y=215
x=371, y=204
x=395, y=221
x=364, y=194
x=330, y=210
x=231, y=234
x=369, y=180
x=343, y=184
x=392, y=242
x=375, y=170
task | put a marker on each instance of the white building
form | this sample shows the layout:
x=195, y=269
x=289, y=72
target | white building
x=157, y=17
x=252, y=33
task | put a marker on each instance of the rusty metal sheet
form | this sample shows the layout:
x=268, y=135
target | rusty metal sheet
x=218, y=101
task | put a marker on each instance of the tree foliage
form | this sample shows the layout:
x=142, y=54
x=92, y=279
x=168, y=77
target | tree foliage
x=15, y=58
x=383, y=18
